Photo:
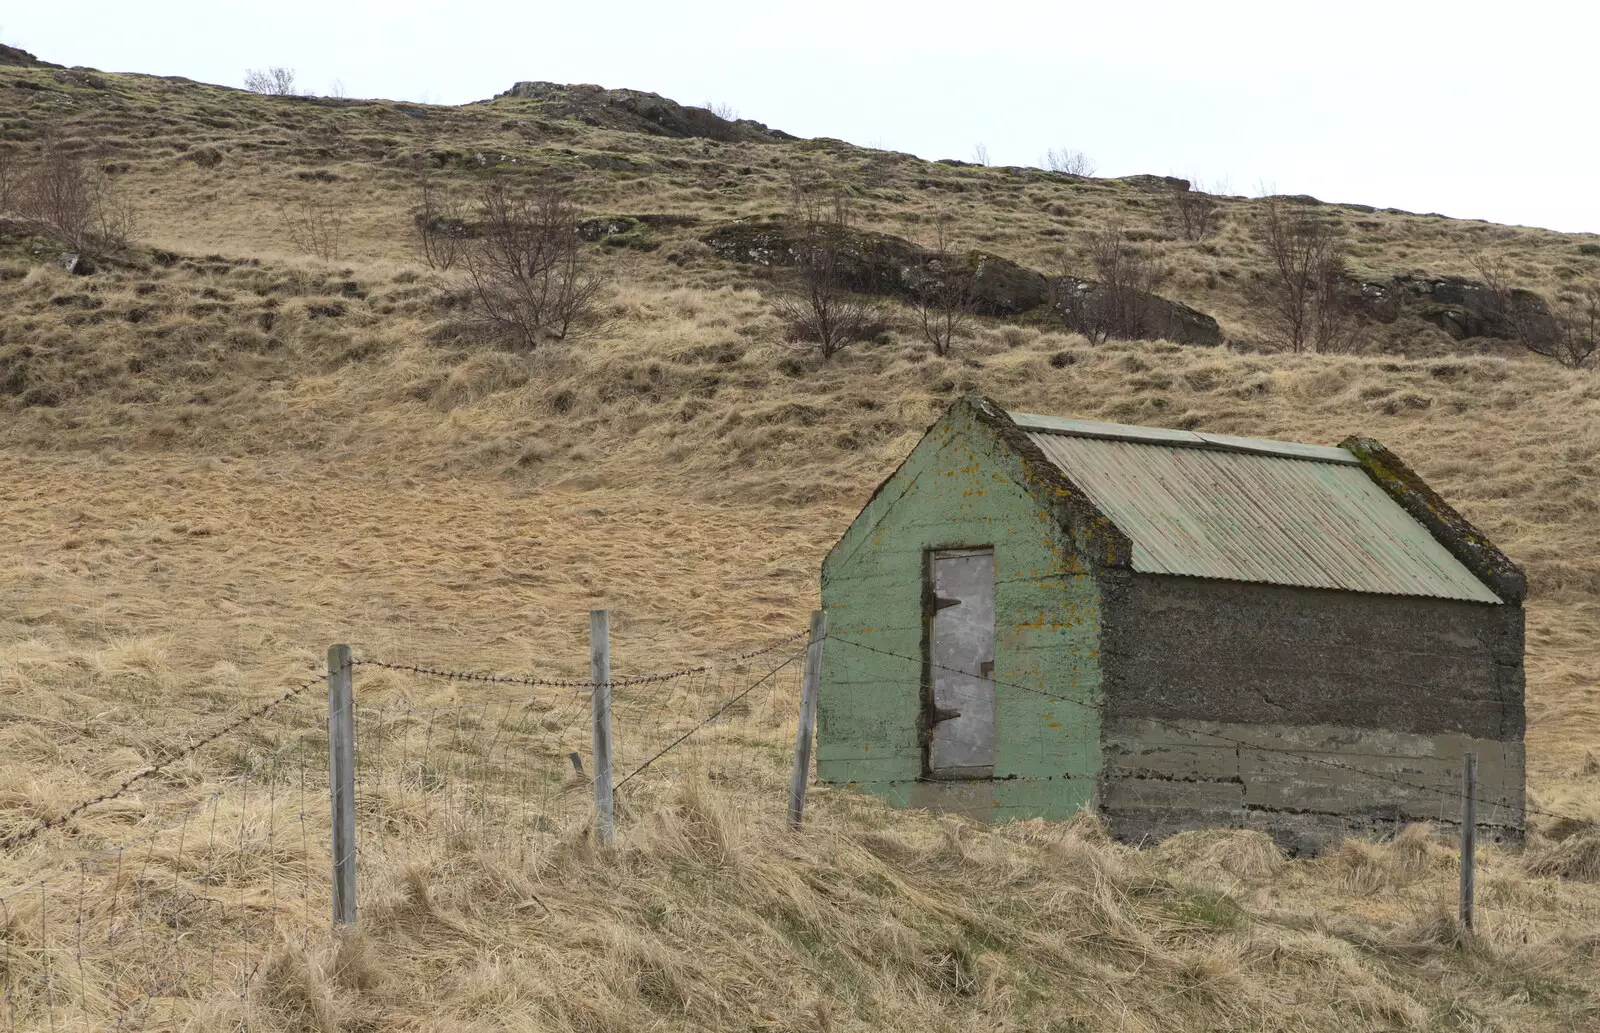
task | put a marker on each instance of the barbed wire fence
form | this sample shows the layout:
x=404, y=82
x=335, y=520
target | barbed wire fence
x=139, y=934
x=1447, y=802
x=505, y=776
x=187, y=923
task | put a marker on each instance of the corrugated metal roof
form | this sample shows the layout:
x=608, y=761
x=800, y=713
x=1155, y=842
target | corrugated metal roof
x=1244, y=509
x=1193, y=439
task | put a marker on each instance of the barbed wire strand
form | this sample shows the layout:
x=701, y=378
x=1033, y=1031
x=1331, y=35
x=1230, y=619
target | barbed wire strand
x=17, y=839
x=182, y=816
x=528, y=748
x=573, y=683
x=712, y=717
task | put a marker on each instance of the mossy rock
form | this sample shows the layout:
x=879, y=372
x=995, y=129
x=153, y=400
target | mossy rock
x=877, y=263
x=1460, y=307
x=1149, y=316
x=637, y=112
x=620, y=231
x=1001, y=287
x=603, y=227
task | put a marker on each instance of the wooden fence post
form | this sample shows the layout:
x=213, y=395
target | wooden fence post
x=342, y=783
x=808, y=720
x=600, y=676
x=1469, y=837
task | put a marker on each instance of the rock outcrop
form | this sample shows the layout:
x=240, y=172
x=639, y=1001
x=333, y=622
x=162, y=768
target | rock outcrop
x=1460, y=307
x=1141, y=314
x=632, y=231
x=637, y=112
x=17, y=58
x=878, y=263
x=1159, y=184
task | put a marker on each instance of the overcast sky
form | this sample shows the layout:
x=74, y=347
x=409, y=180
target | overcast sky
x=1472, y=109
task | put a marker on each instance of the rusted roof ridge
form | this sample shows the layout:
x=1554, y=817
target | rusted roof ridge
x=1182, y=438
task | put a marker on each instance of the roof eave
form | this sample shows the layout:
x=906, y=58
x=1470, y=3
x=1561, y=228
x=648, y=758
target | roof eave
x=1452, y=530
x=1100, y=542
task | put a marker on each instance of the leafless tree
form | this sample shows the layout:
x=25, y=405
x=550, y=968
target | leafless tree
x=438, y=224
x=274, y=82
x=63, y=195
x=1305, y=294
x=315, y=227
x=56, y=197
x=1073, y=163
x=528, y=275
x=980, y=153
x=722, y=110
x=1578, y=326
x=1116, y=303
x=815, y=297
x=113, y=219
x=337, y=89
x=1191, y=212
x=1569, y=332
x=943, y=290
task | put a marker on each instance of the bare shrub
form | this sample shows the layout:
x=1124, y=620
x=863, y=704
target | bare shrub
x=1305, y=294
x=980, y=153
x=438, y=225
x=1073, y=163
x=63, y=196
x=10, y=174
x=315, y=227
x=273, y=82
x=528, y=276
x=815, y=297
x=1190, y=211
x=722, y=110
x=1568, y=333
x=943, y=291
x=1577, y=317
x=113, y=219
x=56, y=195
x=1116, y=303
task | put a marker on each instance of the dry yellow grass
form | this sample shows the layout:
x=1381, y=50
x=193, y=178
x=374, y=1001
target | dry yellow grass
x=200, y=498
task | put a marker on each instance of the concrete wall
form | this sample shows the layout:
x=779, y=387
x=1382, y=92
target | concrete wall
x=960, y=488
x=1392, y=685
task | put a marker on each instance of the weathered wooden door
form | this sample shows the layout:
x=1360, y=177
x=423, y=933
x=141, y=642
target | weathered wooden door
x=961, y=651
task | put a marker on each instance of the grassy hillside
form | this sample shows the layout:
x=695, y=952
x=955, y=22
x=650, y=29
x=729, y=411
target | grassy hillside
x=219, y=456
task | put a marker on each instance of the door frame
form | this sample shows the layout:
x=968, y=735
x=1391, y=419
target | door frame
x=925, y=721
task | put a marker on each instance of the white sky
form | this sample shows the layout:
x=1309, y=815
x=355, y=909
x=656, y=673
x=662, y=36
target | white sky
x=1469, y=108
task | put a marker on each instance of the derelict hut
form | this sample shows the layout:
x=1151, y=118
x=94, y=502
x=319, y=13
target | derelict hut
x=1033, y=615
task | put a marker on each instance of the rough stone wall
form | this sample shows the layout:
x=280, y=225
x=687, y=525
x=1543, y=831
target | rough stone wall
x=1395, y=686
x=960, y=488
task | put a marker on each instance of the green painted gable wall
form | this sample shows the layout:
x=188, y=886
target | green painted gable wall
x=960, y=488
